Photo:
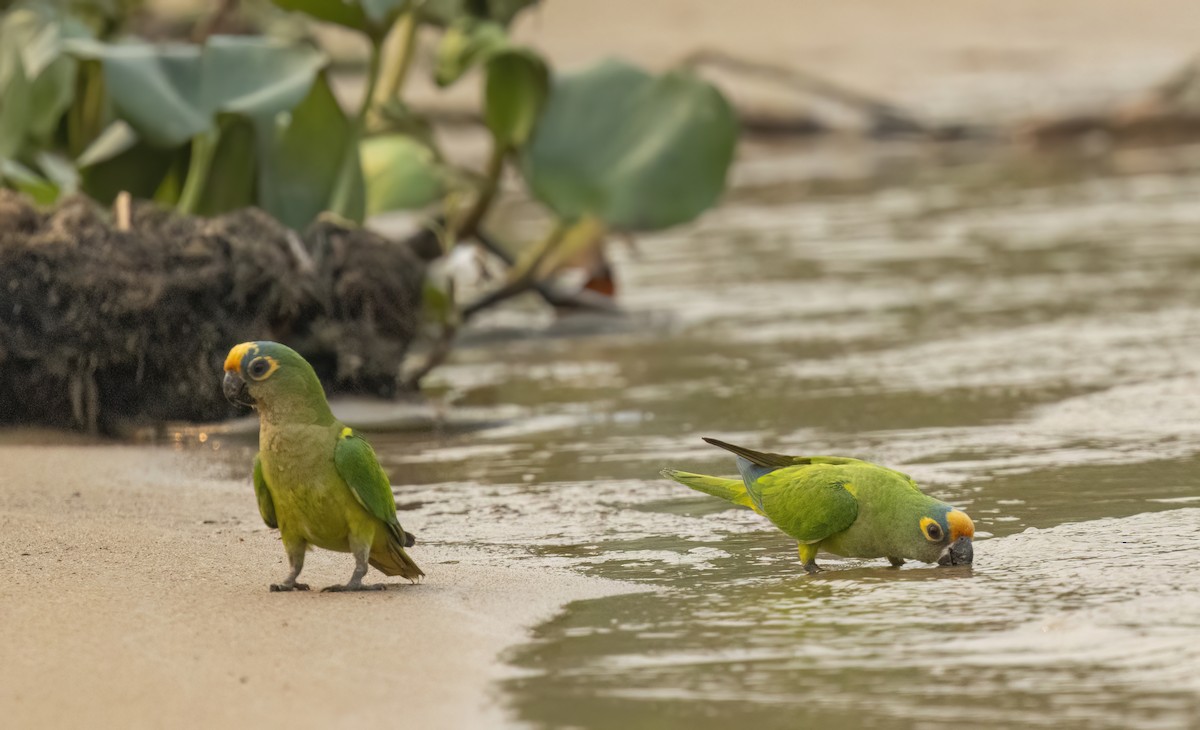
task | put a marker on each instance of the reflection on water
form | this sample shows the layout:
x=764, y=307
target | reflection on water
x=1028, y=352
x=1095, y=622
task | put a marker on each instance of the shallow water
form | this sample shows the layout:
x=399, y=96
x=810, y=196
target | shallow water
x=1029, y=351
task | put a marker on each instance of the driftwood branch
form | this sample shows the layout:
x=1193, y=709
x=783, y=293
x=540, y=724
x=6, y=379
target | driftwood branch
x=886, y=118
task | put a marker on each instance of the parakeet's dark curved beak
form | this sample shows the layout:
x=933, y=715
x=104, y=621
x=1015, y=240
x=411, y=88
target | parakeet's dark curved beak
x=960, y=552
x=235, y=390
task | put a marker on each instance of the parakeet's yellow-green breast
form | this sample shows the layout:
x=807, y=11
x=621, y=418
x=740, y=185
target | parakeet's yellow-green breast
x=315, y=478
x=844, y=506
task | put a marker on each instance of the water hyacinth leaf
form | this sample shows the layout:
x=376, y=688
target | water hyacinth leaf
x=50, y=95
x=349, y=196
x=231, y=175
x=15, y=102
x=90, y=112
x=437, y=302
x=43, y=191
x=58, y=170
x=170, y=94
x=465, y=44
x=35, y=34
x=400, y=173
x=302, y=155
x=254, y=76
x=115, y=139
x=139, y=169
x=155, y=89
x=640, y=152
x=514, y=93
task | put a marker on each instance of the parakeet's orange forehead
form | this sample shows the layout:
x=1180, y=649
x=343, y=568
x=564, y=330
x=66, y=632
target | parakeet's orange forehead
x=960, y=525
x=233, y=362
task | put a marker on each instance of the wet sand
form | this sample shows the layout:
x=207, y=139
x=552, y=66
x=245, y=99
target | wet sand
x=135, y=595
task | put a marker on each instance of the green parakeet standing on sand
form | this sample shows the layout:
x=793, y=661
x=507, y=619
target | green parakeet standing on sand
x=315, y=478
x=844, y=506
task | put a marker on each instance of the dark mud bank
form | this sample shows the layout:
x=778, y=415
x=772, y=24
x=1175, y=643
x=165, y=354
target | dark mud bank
x=102, y=328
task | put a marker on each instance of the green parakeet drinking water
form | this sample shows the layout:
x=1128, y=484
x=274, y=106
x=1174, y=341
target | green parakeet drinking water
x=315, y=478
x=844, y=506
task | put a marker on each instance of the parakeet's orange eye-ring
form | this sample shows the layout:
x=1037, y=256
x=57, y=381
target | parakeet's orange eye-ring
x=931, y=529
x=260, y=368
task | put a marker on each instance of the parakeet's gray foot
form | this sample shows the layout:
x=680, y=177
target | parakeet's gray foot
x=282, y=587
x=350, y=587
x=362, y=553
x=812, y=568
x=896, y=562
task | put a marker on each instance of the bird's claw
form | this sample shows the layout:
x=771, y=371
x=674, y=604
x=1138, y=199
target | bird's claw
x=349, y=588
x=812, y=568
x=283, y=587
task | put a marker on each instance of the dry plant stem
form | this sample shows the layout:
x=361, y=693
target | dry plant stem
x=122, y=210
x=204, y=146
x=551, y=297
x=437, y=355
x=525, y=279
x=487, y=194
x=885, y=115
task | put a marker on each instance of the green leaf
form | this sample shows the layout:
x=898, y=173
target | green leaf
x=466, y=43
x=16, y=99
x=640, y=152
x=139, y=169
x=231, y=175
x=90, y=111
x=400, y=173
x=349, y=196
x=170, y=94
x=115, y=139
x=515, y=91
x=437, y=303
x=302, y=157
x=43, y=191
x=155, y=89
x=35, y=33
x=51, y=93
x=58, y=170
x=255, y=76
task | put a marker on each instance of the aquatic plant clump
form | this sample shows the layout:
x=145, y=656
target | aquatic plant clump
x=103, y=325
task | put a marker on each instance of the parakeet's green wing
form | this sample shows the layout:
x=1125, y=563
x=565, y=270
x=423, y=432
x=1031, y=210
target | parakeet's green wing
x=266, y=506
x=810, y=502
x=356, y=463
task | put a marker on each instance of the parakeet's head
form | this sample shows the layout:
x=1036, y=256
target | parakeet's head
x=272, y=378
x=944, y=534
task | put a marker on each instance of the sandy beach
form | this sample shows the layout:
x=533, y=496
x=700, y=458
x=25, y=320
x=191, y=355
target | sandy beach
x=135, y=595
x=973, y=61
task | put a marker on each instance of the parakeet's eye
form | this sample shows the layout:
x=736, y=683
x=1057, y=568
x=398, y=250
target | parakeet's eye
x=259, y=368
x=933, y=530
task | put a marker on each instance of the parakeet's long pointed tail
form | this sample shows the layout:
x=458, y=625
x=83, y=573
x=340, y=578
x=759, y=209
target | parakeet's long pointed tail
x=392, y=559
x=731, y=490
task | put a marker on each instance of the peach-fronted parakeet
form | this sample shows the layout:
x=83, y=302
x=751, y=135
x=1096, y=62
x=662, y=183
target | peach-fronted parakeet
x=841, y=505
x=315, y=478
